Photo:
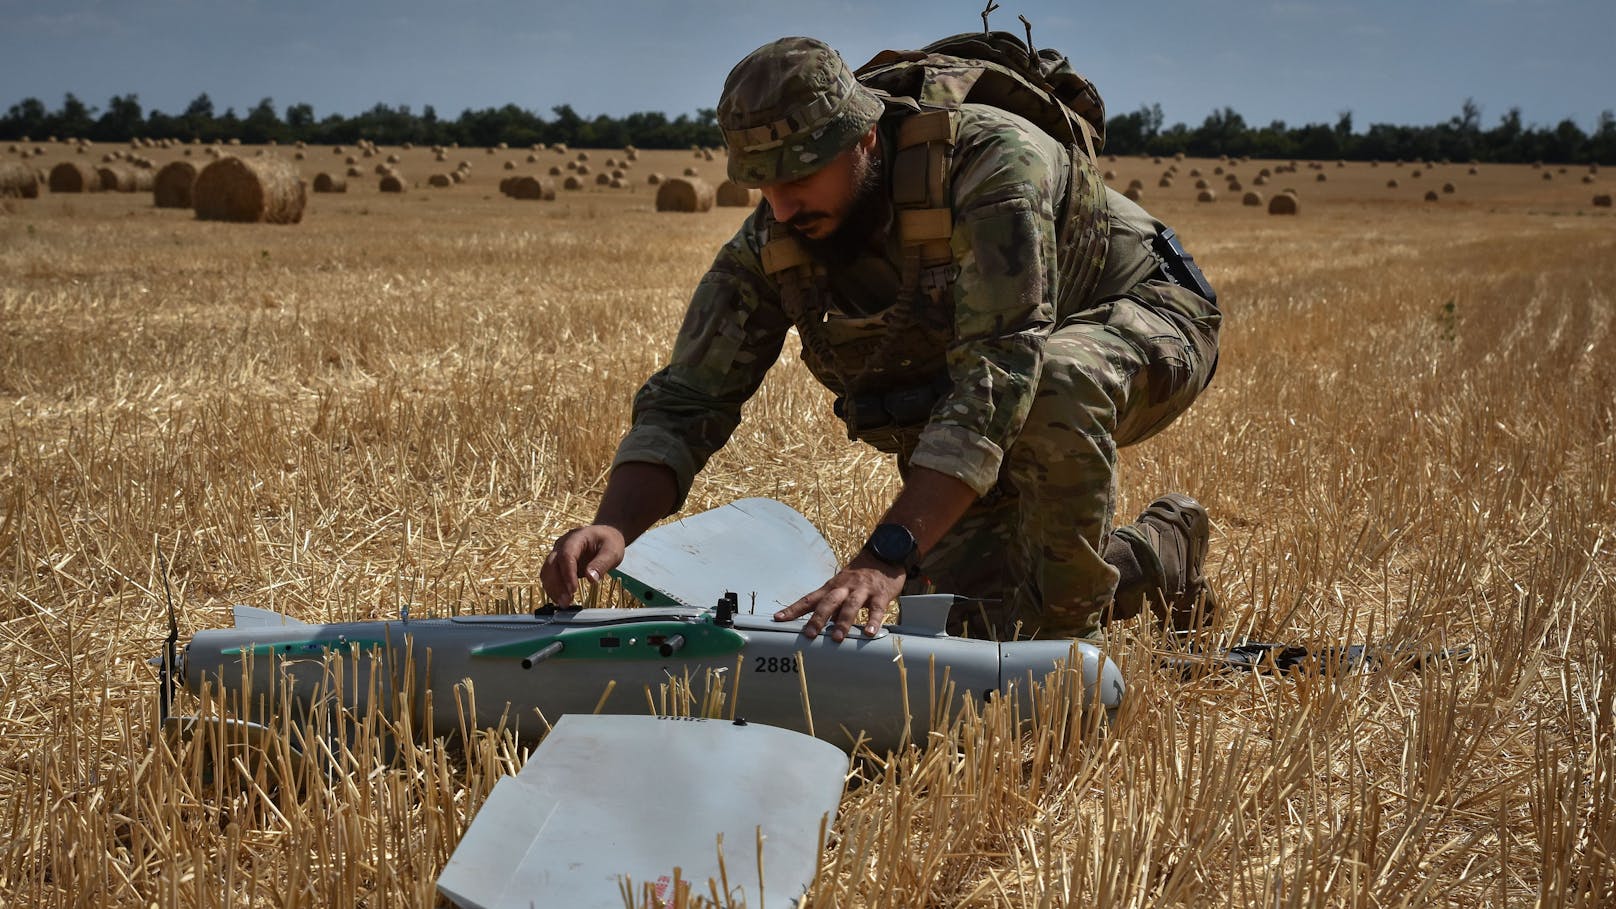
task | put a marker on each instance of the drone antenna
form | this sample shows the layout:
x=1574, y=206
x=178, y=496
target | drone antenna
x=990, y=8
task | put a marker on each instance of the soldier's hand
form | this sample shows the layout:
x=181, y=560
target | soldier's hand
x=865, y=582
x=583, y=552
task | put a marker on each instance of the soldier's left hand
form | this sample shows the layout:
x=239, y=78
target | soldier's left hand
x=865, y=582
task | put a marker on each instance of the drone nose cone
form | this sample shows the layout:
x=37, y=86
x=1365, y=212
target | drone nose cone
x=1102, y=680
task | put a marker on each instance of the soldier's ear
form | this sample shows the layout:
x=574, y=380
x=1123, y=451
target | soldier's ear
x=867, y=142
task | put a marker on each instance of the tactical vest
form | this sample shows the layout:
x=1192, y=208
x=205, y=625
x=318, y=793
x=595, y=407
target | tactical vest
x=889, y=368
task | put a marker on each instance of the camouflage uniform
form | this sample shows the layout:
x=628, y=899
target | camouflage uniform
x=1034, y=351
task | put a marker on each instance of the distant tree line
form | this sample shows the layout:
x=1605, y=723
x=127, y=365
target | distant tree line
x=1461, y=138
x=1223, y=132
x=124, y=119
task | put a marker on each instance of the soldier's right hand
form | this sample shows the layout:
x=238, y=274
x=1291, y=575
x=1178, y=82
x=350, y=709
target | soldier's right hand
x=582, y=552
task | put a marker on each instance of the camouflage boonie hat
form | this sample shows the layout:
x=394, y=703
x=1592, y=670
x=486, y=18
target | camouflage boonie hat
x=789, y=108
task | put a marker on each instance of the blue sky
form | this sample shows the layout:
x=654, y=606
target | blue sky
x=1299, y=61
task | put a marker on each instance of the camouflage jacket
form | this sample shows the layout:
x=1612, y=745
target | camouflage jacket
x=1008, y=183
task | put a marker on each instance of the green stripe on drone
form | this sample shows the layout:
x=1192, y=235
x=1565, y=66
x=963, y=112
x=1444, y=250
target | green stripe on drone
x=636, y=641
x=305, y=648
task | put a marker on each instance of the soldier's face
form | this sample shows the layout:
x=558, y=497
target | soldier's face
x=816, y=205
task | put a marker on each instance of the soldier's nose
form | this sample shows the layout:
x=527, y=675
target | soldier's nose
x=781, y=203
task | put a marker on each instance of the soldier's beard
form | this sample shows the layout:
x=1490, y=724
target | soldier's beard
x=867, y=214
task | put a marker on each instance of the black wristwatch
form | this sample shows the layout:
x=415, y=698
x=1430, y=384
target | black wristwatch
x=894, y=544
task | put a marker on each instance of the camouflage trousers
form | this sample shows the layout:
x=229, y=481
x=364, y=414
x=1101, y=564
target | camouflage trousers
x=1032, y=551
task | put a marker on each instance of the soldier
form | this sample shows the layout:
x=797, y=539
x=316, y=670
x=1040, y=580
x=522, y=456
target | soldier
x=983, y=307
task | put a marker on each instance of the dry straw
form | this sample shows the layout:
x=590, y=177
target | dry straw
x=18, y=180
x=172, y=186
x=685, y=194
x=1283, y=204
x=267, y=190
x=392, y=183
x=1252, y=198
x=74, y=177
x=439, y=180
x=328, y=183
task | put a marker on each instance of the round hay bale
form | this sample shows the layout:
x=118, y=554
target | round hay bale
x=692, y=172
x=1135, y=193
x=1449, y=188
x=1217, y=170
x=267, y=190
x=1473, y=171
x=1207, y=195
x=1282, y=204
x=559, y=148
x=1260, y=181
x=1392, y=183
x=1431, y=195
x=172, y=186
x=706, y=154
x=572, y=182
x=1322, y=177
x=392, y=183
x=355, y=172
x=733, y=195
x=1136, y=183
x=118, y=178
x=336, y=149
x=1602, y=200
x=392, y=159
x=1235, y=186
x=1202, y=184
x=572, y=165
x=457, y=176
x=18, y=181
x=1548, y=175
x=555, y=171
x=439, y=180
x=1195, y=171
x=505, y=185
x=1251, y=198
x=603, y=179
x=1108, y=176
x=326, y=183
x=510, y=165
x=1165, y=182
x=686, y=194
x=619, y=174
x=1587, y=178
x=532, y=158
x=383, y=170
x=653, y=179
x=584, y=171
x=530, y=188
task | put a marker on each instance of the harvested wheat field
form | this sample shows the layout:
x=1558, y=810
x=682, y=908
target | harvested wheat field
x=400, y=402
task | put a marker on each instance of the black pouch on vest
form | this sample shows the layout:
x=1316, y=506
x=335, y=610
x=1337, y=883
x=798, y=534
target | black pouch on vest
x=1180, y=265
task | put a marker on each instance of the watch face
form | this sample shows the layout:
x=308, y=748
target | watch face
x=892, y=543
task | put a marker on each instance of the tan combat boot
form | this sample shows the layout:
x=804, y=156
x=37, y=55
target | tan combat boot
x=1161, y=557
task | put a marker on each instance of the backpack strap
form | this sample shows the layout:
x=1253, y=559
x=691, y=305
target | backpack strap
x=920, y=164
